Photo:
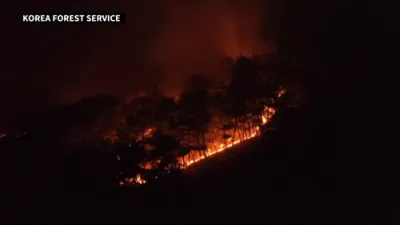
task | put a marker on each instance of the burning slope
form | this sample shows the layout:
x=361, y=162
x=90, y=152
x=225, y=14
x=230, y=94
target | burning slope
x=222, y=147
x=194, y=158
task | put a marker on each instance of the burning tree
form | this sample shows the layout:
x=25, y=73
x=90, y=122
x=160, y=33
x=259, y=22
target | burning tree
x=159, y=134
x=204, y=121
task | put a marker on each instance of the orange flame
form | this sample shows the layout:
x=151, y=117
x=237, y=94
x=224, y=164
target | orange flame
x=223, y=147
x=266, y=116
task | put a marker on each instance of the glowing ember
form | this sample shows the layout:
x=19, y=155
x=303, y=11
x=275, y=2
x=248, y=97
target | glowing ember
x=148, y=132
x=281, y=92
x=139, y=179
x=264, y=119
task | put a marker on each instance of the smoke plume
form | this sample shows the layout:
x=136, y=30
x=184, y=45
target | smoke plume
x=162, y=42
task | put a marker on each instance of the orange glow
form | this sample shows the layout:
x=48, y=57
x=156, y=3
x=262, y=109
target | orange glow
x=281, y=92
x=138, y=180
x=264, y=119
x=223, y=147
x=150, y=164
x=195, y=36
x=267, y=115
x=177, y=98
x=148, y=132
x=193, y=158
x=220, y=149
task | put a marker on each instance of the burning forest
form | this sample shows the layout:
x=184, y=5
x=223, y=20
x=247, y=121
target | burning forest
x=192, y=140
x=143, y=137
x=162, y=134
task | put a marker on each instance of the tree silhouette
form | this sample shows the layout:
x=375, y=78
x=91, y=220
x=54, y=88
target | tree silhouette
x=194, y=111
x=246, y=84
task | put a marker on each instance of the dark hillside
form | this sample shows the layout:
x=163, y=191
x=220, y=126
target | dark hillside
x=274, y=179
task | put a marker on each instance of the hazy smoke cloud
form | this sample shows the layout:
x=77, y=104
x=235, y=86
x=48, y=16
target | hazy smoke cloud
x=163, y=41
x=194, y=36
x=166, y=42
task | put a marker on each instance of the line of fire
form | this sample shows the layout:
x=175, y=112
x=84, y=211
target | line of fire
x=201, y=122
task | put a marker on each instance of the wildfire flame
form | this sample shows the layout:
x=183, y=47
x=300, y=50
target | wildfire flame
x=223, y=147
x=267, y=115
